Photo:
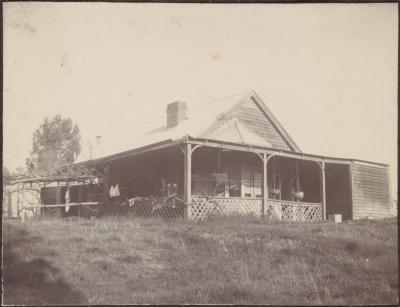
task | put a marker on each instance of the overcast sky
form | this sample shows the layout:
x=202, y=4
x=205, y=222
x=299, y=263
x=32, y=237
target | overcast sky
x=327, y=71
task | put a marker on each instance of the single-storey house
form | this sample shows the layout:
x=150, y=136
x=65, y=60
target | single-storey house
x=233, y=155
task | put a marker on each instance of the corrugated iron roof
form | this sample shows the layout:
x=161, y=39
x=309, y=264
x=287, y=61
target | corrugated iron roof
x=200, y=117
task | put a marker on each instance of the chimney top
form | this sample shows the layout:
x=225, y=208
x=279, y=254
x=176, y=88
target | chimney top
x=176, y=112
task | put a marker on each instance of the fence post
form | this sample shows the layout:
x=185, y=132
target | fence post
x=187, y=177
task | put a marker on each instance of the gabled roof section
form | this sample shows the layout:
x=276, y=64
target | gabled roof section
x=233, y=131
x=206, y=118
x=257, y=118
x=275, y=121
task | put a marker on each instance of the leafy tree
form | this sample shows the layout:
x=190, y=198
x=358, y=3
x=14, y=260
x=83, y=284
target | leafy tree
x=55, y=143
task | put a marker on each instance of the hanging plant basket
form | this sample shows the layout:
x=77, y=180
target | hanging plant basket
x=275, y=191
x=220, y=177
x=298, y=194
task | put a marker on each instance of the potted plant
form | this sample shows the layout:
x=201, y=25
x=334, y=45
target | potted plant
x=275, y=191
x=298, y=194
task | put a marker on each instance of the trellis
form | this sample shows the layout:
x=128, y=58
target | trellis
x=294, y=211
x=203, y=207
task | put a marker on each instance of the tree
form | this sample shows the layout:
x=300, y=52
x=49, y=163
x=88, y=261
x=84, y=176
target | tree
x=55, y=143
x=6, y=174
x=20, y=171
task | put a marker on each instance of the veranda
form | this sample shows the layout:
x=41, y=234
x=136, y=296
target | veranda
x=222, y=179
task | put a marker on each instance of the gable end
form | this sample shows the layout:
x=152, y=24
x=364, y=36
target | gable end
x=256, y=117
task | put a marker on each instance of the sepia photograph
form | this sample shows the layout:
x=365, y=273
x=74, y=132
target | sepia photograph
x=200, y=153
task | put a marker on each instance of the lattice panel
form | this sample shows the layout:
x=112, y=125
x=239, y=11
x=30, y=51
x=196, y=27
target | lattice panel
x=203, y=207
x=294, y=211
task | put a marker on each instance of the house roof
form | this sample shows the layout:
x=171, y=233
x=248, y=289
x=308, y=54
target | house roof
x=200, y=118
x=228, y=145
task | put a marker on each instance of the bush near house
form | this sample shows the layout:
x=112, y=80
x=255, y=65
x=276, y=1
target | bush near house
x=240, y=261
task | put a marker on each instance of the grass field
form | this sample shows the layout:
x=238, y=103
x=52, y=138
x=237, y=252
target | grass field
x=239, y=261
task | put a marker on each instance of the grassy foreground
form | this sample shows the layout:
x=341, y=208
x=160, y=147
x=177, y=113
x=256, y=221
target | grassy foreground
x=241, y=261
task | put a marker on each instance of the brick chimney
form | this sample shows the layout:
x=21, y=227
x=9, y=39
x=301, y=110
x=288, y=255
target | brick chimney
x=176, y=112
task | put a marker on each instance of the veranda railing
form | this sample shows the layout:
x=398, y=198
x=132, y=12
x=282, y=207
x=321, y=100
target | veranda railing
x=294, y=211
x=203, y=207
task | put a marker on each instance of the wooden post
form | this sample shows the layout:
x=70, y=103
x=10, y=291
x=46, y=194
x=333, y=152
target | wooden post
x=187, y=179
x=58, y=193
x=323, y=190
x=58, y=199
x=41, y=200
x=265, y=185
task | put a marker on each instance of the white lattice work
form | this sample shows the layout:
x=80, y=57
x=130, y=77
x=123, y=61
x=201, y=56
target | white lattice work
x=294, y=211
x=203, y=207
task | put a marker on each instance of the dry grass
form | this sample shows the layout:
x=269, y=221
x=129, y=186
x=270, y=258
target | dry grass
x=241, y=261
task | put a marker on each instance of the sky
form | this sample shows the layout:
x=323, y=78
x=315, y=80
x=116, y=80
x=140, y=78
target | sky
x=328, y=72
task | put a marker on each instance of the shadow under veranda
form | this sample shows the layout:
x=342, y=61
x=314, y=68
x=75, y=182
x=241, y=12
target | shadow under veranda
x=34, y=282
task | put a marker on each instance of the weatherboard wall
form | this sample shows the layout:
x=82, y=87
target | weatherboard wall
x=253, y=118
x=371, y=191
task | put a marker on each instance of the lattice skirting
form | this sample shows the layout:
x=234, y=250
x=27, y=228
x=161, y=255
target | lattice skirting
x=294, y=211
x=203, y=207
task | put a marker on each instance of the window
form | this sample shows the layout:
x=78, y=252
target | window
x=233, y=184
x=244, y=181
x=251, y=181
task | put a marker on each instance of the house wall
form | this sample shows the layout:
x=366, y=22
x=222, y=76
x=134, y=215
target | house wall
x=338, y=190
x=253, y=117
x=371, y=191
